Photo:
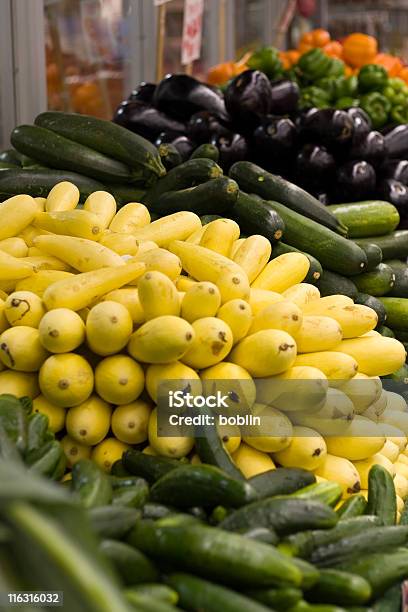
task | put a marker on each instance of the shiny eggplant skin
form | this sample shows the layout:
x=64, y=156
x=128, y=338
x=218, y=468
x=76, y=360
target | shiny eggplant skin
x=361, y=123
x=370, y=147
x=232, y=148
x=180, y=96
x=147, y=121
x=184, y=146
x=395, y=192
x=326, y=126
x=277, y=136
x=205, y=125
x=144, y=92
x=315, y=166
x=248, y=99
x=355, y=181
x=395, y=169
x=396, y=141
x=285, y=97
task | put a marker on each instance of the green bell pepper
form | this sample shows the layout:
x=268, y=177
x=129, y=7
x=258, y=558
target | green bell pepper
x=346, y=102
x=266, y=60
x=399, y=113
x=372, y=78
x=346, y=87
x=313, y=96
x=328, y=84
x=377, y=108
x=337, y=68
x=315, y=64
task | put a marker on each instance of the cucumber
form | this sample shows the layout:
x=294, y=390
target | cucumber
x=378, y=282
x=119, y=470
x=310, y=573
x=156, y=590
x=134, y=496
x=332, y=284
x=7, y=165
x=253, y=179
x=201, y=485
x=256, y=217
x=49, y=459
x=352, y=507
x=151, y=510
x=283, y=514
x=372, y=302
x=373, y=253
x=91, y=484
x=38, y=183
x=198, y=594
x=280, y=599
x=142, y=602
x=390, y=601
x=60, y=467
x=169, y=156
x=281, y=481
x=385, y=331
x=113, y=521
x=217, y=195
x=11, y=156
x=382, y=500
x=13, y=421
x=148, y=466
x=37, y=426
x=207, y=151
x=214, y=553
x=304, y=606
x=404, y=514
x=189, y=174
x=397, y=312
x=124, y=194
x=339, y=587
x=315, y=270
x=325, y=492
x=105, y=137
x=368, y=218
x=132, y=565
x=261, y=534
x=205, y=219
x=400, y=287
x=58, y=152
x=393, y=246
x=321, y=242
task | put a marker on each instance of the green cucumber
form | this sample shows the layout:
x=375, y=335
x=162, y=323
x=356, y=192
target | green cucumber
x=113, y=521
x=217, y=195
x=315, y=270
x=325, y=492
x=105, y=137
x=198, y=594
x=390, y=601
x=59, y=152
x=151, y=510
x=253, y=179
x=177, y=519
x=124, y=194
x=310, y=237
x=214, y=553
x=49, y=460
x=385, y=331
x=201, y=485
x=261, y=534
x=310, y=573
x=38, y=182
x=352, y=507
x=280, y=599
x=119, y=470
x=304, y=606
x=281, y=481
x=134, y=496
x=375, y=304
x=397, y=312
x=382, y=500
x=256, y=217
x=156, y=590
x=142, y=602
x=207, y=151
x=283, y=514
x=11, y=156
x=169, y=156
x=91, y=484
x=189, y=174
x=373, y=253
x=339, y=587
x=400, y=287
x=378, y=282
x=60, y=467
x=7, y=166
x=393, y=246
x=37, y=426
x=404, y=514
x=149, y=467
x=13, y=421
x=332, y=284
x=368, y=218
x=132, y=565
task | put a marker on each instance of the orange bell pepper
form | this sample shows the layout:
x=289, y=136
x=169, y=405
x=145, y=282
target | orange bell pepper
x=286, y=63
x=403, y=74
x=359, y=49
x=221, y=73
x=293, y=56
x=333, y=48
x=320, y=37
x=306, y=39
x=392, y=64
x=304, y=48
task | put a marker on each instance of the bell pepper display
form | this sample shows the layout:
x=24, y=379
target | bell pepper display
x=314, y=97
x=377, y=107
x=314, y=64
x=266, y=60
x=372, y=78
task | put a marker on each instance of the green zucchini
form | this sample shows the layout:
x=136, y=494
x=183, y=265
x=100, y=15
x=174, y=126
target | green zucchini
x=214, y=553
x=105, y=137
x=378, y=282
x=397, y=312
x=13, y=421
x=281, y=481
x=205, y=219
x=151, y=510
x=38, y=182
x=124, y=194
x=253, y=179
x=368, y=218
x=279, y=599
x=375, y=304
x=315, y=270
x=134, y=496
x=385, y=331
x=207, y=151
x=310, y=237
x=11, y=156
x=325, y=492
x=338, y=587
x=119, y=470
x=142, y=602
x=58, y=152
x=113, y=521
x=198, y=594
x=332, y=284
x=400, y=287
x=37, y=426
x=393, y=246
x=256, y=217
x=283, y=514
x=261, y=534
x=169, y=156
x=352, y=507
x=189, y=174
x=132, y=565
x=91, y=484
x=149, y=467
x=51, y=454
x=382, y=500
x=373, y=253
x=156, y=590
x=201, y=485
x=219, y=194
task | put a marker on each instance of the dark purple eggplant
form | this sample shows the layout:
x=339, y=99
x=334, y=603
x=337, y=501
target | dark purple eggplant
x=396, y=141
x=144, y=92
x=232, y=148
x=277, y=136
x=248, y=99
x=355, y=181
x=315, y=166
x=184, y=146
x=203, y=126
x=285, y=97
x=146, y=120
x=370, y=147
x=327, y=126
x=180, y=96
x=395, y=192
x=323, y=197
x=361, y=122
x=395, y=169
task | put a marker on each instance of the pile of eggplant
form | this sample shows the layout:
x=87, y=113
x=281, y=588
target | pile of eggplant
x=335, y=154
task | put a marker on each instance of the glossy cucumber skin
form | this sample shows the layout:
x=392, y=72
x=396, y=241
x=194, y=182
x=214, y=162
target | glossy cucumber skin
x=113, y=521
x=352, y=507
x=147, y=466
x=256, y=217
x=281, y=482
x=382, y=499
x=339, y=587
